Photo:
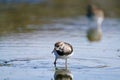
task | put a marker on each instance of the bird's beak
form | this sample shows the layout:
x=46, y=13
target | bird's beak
x=53, y=51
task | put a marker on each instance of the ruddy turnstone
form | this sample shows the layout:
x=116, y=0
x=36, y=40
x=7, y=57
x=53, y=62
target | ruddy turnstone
x=96, y=15
x=62, y=50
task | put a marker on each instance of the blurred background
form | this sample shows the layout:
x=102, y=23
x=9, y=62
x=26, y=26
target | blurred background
x=15, y=15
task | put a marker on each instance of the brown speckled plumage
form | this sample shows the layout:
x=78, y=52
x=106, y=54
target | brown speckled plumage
x=62, y=50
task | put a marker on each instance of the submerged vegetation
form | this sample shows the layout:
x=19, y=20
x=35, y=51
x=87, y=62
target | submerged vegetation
x=14, y=16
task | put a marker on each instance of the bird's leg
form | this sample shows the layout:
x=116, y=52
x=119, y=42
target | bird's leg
x=66, y=62
x=55, y=61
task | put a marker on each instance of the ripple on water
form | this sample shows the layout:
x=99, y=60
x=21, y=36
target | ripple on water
x=42, y=63
x=84, y=63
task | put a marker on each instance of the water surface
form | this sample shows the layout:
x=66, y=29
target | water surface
x=27, y=55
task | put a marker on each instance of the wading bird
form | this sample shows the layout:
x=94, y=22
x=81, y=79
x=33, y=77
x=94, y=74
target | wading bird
x=62, y=50
x=95, y=15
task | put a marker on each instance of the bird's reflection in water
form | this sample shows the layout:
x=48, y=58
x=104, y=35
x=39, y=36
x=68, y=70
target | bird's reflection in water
x=96, y=16
x=62, y=74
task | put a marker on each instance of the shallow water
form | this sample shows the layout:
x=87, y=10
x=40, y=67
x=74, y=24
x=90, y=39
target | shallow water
x=28, y=55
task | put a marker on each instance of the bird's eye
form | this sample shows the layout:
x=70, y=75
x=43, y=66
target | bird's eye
x=57, y=45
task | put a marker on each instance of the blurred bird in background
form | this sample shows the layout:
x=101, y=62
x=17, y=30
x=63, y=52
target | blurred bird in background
x=95, y=16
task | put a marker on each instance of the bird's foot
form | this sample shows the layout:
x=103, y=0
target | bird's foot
x=55, y=64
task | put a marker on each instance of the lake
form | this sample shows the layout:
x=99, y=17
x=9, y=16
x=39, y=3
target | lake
x=27, y=55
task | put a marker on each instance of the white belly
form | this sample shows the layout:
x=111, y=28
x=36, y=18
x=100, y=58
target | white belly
x=61, y=57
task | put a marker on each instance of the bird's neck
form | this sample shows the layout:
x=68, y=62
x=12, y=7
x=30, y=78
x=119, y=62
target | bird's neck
x=99, y=28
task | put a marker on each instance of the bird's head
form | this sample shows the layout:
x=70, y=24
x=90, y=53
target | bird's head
x=59, y=46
